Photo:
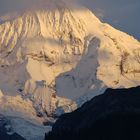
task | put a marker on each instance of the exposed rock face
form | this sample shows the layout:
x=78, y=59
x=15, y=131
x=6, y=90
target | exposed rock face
x=113, y=115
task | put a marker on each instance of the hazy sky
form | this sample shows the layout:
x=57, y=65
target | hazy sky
x=122, y=14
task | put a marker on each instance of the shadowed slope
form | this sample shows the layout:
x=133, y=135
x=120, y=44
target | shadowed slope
x=113, y=115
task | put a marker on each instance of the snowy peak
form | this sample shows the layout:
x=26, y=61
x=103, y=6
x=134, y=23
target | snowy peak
x=70, y=49
x=57, y=33
x=55, y=23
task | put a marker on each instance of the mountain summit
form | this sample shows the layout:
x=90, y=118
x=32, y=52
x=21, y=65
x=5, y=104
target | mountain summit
x=67, y=46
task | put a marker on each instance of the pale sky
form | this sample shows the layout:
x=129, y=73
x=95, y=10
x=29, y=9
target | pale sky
x=122, y=14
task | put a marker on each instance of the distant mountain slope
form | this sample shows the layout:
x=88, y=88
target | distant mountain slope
x=111, y=116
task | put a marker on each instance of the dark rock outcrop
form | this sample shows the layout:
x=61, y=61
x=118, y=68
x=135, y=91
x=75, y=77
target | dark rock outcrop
x=114, y=115
x=5, y=136
x=6, y=130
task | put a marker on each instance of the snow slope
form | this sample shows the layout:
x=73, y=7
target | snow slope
x=68, y=46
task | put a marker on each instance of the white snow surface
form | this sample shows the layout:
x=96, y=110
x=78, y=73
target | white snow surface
x=67, y=46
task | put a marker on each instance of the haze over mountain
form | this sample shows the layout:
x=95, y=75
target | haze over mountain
x=67, y=46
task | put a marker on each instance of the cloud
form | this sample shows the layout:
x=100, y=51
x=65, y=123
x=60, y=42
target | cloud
x=99, y=13
x=123, y=14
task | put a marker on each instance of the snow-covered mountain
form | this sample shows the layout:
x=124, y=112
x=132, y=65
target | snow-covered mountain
x=71, y=49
